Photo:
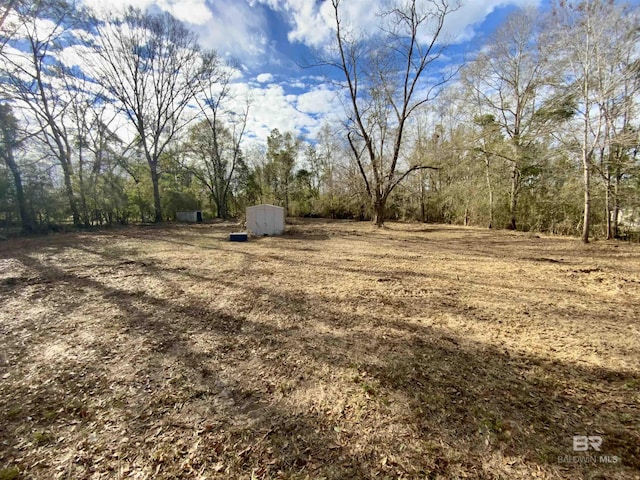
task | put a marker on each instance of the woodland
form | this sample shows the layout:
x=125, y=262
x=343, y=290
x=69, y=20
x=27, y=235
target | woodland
x=537, y=130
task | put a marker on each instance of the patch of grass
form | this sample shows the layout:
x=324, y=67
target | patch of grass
x=496, y=427
x=286, y=386
x=10, y=473
x=116, y=252
x=550, y=453
x=75, y=407
x=50, y=415
x=9, y=282
x=368, y=388
x=14, y=412
x=41, y=438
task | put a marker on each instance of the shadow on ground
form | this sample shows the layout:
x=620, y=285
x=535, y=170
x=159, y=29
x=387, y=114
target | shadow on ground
x=229, y=391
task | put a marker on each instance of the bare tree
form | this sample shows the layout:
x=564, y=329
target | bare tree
x=9, y=142
x=148, y=63
x=506, y=79
x=213, y=158
x=225, y=129
x=94, y=144
x=619, y=84
x=7, y=31
x=34, y=79
x=385, y=81
x=583, y=36
x=282, y=154
x=5, y=11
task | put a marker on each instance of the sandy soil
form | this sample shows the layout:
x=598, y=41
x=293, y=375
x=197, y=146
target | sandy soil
x=336, y=351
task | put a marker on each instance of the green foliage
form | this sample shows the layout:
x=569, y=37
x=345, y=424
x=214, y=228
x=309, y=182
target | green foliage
x=303, y=194
x=282, y=153
x=10, y=473
x=557, y=109
x=8, y=207
x=179, y=201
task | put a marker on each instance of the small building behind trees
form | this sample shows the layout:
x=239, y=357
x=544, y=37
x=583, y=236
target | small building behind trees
x=194, y=216
x=265, y=220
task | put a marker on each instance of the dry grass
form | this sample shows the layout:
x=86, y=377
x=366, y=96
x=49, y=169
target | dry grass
x=336, y=351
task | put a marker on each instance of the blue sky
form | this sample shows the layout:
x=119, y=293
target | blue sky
x=269, y=39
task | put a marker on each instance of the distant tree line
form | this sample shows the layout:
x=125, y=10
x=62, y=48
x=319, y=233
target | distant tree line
x=538, y=131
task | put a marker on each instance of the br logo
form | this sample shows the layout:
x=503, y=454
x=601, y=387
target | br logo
x=582, y=443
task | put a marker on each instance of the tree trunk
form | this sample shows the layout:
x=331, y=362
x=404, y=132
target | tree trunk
x=513, y=204
x=423, y=207
x=616, y=207
x=25, y=218
x=490, y=188
x=66, y=170
x=221, y=208
x=224, y=199
x=607, y=206
x=605, y=166
x=156, y=192
x=378, y=212
x=586, y=223
x=215, y=199
x=83, y=196
x=286, y=198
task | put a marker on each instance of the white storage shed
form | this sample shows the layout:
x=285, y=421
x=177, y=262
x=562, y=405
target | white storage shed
x=265, y=220
x=189, y=217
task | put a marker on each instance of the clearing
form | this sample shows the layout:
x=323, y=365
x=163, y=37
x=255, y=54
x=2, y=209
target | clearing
x=337, y=351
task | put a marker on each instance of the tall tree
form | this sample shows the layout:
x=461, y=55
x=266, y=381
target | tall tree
x=327, y=157
x=225, y=131
x=213, y=156
x=384, y=77
x=4, y=12
x=282, y=153
x=34, y=79
x=149, y=64
x=583, y=33
x=506, y=79
x=8, y=143
x=618, y=80
x=7, y=30
x=96, y=150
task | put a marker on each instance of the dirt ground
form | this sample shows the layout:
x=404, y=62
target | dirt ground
x=337, y=351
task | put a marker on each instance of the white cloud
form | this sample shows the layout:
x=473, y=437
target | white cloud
x=75, y=55
x=195, y=12
x=460, y=25
x=312, y=23
x=102, y=7
x=320, y=100
x=264, y=78
x=18, y=26
x=240, y=28
x=272, y=106
x=236, y=30
x=231, y=27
